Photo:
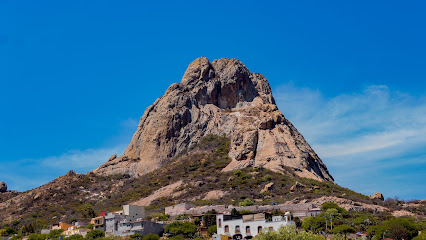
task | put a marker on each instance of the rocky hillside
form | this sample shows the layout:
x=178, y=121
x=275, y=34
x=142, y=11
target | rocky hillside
x=221, y=97
x=194, y=176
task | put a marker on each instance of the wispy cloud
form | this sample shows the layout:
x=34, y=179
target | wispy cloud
x=81, y=160
x=363, y=137
x=32, y=173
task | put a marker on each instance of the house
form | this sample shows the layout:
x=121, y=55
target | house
x=81, y=224
x=248, y=226
x=312, y=212
x=128, y=221
x=99, y=222
x=75, y=230
x=299, y=210
x=61, y=225
x=140, y=226
x=129, y=213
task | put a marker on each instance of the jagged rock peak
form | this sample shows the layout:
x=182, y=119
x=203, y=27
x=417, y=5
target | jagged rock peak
x=218, y=97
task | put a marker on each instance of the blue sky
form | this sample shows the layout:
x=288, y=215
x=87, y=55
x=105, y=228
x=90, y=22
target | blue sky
x=75, y=77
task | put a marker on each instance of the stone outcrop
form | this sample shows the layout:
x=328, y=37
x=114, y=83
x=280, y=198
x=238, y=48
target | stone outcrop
x=218, y=97
x=378, y=195
x=297, y=187
x=3, y=187
x=267, y=187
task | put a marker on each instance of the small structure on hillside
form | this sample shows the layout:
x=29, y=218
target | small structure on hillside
x=249, y=225
x=126, y=222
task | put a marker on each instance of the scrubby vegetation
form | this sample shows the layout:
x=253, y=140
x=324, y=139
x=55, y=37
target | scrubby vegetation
x=79, y=197
x=286, y=233
x=338, y=221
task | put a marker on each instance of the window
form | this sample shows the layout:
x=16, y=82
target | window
x=237, y=229
x=220, y=222
x=271, y=228
x=247, y=229
x=259, y=229
x=227, y=229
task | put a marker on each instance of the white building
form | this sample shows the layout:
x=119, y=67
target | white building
x=129, y=213
x=248, y=226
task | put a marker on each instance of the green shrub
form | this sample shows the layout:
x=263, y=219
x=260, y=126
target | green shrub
x=54, y=234
x=343, y=229
x=287, y=233
x=151, y=236
x=246, y=202
x=75, y=237
x=94, y=234
x=212, y=230
x=184, y=229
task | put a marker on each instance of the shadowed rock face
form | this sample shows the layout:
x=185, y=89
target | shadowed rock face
x=3, y=187
x=219, y=97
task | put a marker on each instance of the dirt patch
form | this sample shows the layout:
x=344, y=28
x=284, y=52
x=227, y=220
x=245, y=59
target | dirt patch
x=215, y=194
x=401, y=213
x=166, y=191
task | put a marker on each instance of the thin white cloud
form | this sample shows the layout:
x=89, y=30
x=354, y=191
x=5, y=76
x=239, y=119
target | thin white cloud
x=32, y=173
x=84, y=160
x=359, y=134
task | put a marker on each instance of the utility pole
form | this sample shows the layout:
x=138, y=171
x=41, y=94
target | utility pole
x=325, y=217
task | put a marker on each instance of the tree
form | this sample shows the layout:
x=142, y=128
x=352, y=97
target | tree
x=197, y=221
x=397, y=228
x=343, y=229
x=313, y=224
x=95, y=234
x=298, y=222
x=151, y=236
x=35, y=236
x=54, y=234
x=234, y=212
x=246, y=202
x=86, y=211
x=136, y=236
x=210, y=218
x=184, y=229
x=212, y=230
x=7, y=231
x=75, y=237
x=28, y=228
x=401, y=228
x=422, y=236
x=328, y=205
x=89, y=226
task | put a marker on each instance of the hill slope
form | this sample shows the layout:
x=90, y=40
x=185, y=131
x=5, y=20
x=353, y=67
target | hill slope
x=194, y=176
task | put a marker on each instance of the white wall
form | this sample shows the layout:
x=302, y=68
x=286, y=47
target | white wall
x=253, y=225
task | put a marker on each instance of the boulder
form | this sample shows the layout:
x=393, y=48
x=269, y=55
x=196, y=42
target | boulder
x=297, y=186
x=3, y=187
x=267, y=187
x=378, y=195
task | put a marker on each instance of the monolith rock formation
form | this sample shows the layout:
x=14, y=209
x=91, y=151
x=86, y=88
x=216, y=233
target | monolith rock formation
x=221, y=97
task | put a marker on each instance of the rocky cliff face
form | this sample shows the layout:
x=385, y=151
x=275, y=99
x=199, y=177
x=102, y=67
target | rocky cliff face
x=219, y=97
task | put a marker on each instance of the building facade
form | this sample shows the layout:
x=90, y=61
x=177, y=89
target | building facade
x=248, y=226
x=128, y=221
x=140, y=226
